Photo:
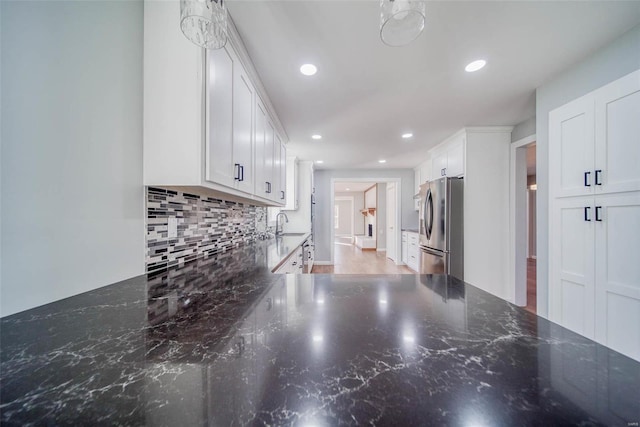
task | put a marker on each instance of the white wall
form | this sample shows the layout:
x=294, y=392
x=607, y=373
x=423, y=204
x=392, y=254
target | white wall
x=381, y=216
x=72, y=194
x=608, y=64
x=358, y=203
x=322, y=180
x=523, y=129
x=345, y=218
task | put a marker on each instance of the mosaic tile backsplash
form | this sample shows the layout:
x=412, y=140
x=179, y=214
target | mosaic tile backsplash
x=206, y=226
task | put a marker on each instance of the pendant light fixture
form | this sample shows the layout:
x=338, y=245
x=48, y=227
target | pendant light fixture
x=204, y=22
x=401, y=21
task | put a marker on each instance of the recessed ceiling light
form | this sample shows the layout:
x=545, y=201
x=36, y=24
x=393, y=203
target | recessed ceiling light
x=382, y=161
x=348, y=189
x=407, y=135
x=316, y=136
x=308, y=69
x=475, y=65
x=319, y=161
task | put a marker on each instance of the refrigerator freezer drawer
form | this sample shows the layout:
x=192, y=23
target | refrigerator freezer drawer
x=433, y=262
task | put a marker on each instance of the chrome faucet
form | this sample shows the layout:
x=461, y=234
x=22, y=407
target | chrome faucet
x=278, y=222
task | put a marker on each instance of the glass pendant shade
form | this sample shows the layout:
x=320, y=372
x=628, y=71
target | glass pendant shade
x=401, y=21
x=204, y=22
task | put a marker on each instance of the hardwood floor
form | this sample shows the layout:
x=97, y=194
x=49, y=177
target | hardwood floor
x=531, y=286
x=348, y=259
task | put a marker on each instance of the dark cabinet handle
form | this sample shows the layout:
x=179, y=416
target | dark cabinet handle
x=282, y=197
x=236, y=172
x=586, y=213
x=598, y=217
x=598, y=172
x=268, y=190
x=586, y=179
x=241, y=173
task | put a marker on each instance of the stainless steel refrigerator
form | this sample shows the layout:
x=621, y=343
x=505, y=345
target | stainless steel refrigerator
x=441, y=227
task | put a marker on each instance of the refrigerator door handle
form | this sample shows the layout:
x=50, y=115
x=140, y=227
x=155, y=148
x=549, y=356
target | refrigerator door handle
x=429, y=216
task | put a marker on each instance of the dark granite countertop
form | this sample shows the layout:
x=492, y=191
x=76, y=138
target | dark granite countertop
x=222, y=341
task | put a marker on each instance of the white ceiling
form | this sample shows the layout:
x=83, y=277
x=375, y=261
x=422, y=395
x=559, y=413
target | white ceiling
x=366, y=94
x=341, y=187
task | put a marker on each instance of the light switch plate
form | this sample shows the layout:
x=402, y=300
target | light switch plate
x=173, y=227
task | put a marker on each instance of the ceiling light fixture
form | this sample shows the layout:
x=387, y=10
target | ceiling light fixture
x=204, y=22
x=316, y=136
x=475, y=65
x=319, y=162
x=308, y=69
x=382, y=161
x=407, y=135
x=348, y=189
x=401, y=21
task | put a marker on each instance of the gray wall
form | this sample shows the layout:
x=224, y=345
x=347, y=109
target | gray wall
x=345, y=216
x=72, y=193
x=322, y=181
x=525, y=128
x=608, y=64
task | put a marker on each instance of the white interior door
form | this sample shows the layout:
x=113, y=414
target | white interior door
x=617, y=242
x=392, y=232
x=571, y=270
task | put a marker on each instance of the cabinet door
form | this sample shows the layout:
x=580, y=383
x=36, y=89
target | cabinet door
x=617, y=123
x=571, y=269
x=219, y=131
x=425, y=171
x=439, y=162
x=571, y=148
x=266, y=189
x=283, y=173
x=455, y=158
x=617, y=243
x=260, y=132
x=243, y=102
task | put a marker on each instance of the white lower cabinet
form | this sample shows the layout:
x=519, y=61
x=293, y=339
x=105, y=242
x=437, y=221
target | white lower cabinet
x=294, y=263
x=413, y=250
x=405, y=247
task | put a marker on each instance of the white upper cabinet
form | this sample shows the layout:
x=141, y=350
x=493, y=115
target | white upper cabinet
x=282, y=167
x=219, y=147
x=447, y=159
x=590, y=149
x=243, y=100
x=208, y=124
x=292, y=184
x=571, y=156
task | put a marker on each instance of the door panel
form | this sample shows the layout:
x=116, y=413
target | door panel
x=392, y=232
x=571, y=284
x=243, y=102
x=260, y=145
x=617, y=129
x=617, y=289
x=219, y=145
x=571, y=148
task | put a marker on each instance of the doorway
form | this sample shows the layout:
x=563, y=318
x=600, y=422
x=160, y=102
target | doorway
x=376, y=229
x=523, y=223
